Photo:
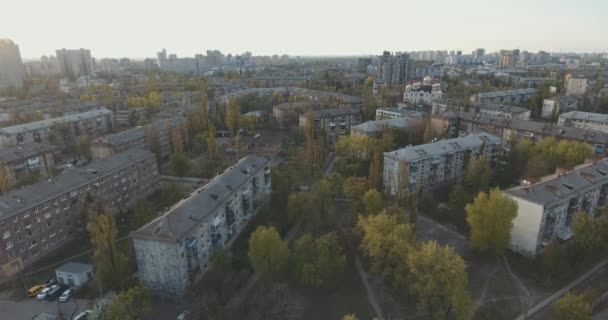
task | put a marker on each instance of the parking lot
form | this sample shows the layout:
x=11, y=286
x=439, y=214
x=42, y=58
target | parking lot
x=30, y=307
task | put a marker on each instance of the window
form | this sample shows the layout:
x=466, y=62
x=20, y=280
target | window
x=64, y=197
x=6, y=234
x=47, y=215
x=60, y=228
x=28, y=224
x=17, y=229
x=36, y=209
x=26, y=214
x=66, y=206
x=37, y=220
x=33, y=243
x=46, y=205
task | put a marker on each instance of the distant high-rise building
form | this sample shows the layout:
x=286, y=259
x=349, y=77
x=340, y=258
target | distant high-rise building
x=161, y=57
x=394, y=69
x=508, y=59
x=12, y=72
x=479, y=53
x=75, y=63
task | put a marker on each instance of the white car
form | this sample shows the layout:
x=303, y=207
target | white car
x=42, y=294
x=66, y=295
x=82, y=316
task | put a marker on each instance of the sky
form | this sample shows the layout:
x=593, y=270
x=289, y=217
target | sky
x=138, y=29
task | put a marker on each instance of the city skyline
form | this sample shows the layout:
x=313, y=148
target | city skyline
x=269, y=27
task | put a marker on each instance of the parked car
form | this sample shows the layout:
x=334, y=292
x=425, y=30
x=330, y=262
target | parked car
x=44, y=292
x=185, y=315
x=33, y=291
x=55, y=292
x=66, y=295
x=82, y=316
x=52, y=281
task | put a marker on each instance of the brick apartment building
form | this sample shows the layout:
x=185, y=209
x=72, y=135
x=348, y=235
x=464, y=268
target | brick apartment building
x=39, y=218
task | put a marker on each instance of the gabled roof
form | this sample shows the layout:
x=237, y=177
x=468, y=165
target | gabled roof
x=176, y=223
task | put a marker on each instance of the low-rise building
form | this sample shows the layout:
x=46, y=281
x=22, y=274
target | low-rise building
x=375, y=128
x=527, y=82
x=518, y=96
x=128, y=117
x=575, y=85
x=397, y=112
x=28, y=159
x=424, y=167
x=91, y=123
x=584, y=120
x=335, y=122
x=463, y=123
x=174, y=247
x=556, y=105
x=503, y=111
x=137, y=138
x=37, y=219
x=286, y=114
x=74, y=274
x=546, y=209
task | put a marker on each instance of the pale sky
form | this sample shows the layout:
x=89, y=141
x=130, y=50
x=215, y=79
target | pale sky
x=137, y=28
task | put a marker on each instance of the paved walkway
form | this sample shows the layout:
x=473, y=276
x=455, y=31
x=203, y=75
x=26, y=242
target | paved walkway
x=547, y=301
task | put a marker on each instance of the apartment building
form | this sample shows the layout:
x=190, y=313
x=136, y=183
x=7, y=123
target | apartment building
x=424, y=167
x=463, y=123
x=137, y=138
x=503, y=111
x=518, y=96
x=75, y=63
x=28, y=159
x=397, y=112
x=128, y=117
x=335, y=122
x=286, y=114
x=546, y=209
x=554, y=106
x=91, y=123
x=176, y=246
x=575, y=85
x=584, y=120
x=37, y=219
x=12, y=72
x=376, y=128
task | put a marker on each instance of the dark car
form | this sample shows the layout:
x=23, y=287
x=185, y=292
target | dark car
x=56, y=292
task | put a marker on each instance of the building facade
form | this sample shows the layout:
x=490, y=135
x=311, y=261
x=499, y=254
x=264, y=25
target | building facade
x=91, y=123
x=546, y=209
x=75, y=63
x=424, y=92
x=286, y=114
x=37, y=219
x=397, y=112
x=508, y=59
x=177, y=245
x=554, y=106
x=503, y=111
x=457, y=124
x=28, y=159
x=335, y=122
x=518, y=96
x=584, y=120
x=424, y=167
x=394, y=69
x=12, y=72
x=575, y=86
x=139, y=138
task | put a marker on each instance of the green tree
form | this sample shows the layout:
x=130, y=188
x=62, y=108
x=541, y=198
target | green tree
x=375, y=171
x=299, y=205
x=111, y=264
x=590, y=233
x=204, y=112
x=571, y=307
x=132, y=304
x=322, y=199
x=490, y=218
x=478, y=175
x=457, y=200
x=355, y=188
x=6, y=182
x=153, y=142
x=310, y=137
x=372, y=201
x=268, y=254
x=179, y=164
x=154, y=99
x=438, y=277
x=233, y=115
x=350, y=317
x=142, y=214
x=320, y=261
x=211, y=145
x=386, y=241
x=177, y=140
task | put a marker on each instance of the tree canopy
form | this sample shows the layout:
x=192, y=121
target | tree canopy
x=571, y=307
x=319, y=261
x=267, y=252
x=490, y=218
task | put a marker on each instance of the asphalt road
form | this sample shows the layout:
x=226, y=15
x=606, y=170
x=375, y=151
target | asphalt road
x=29, y=308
